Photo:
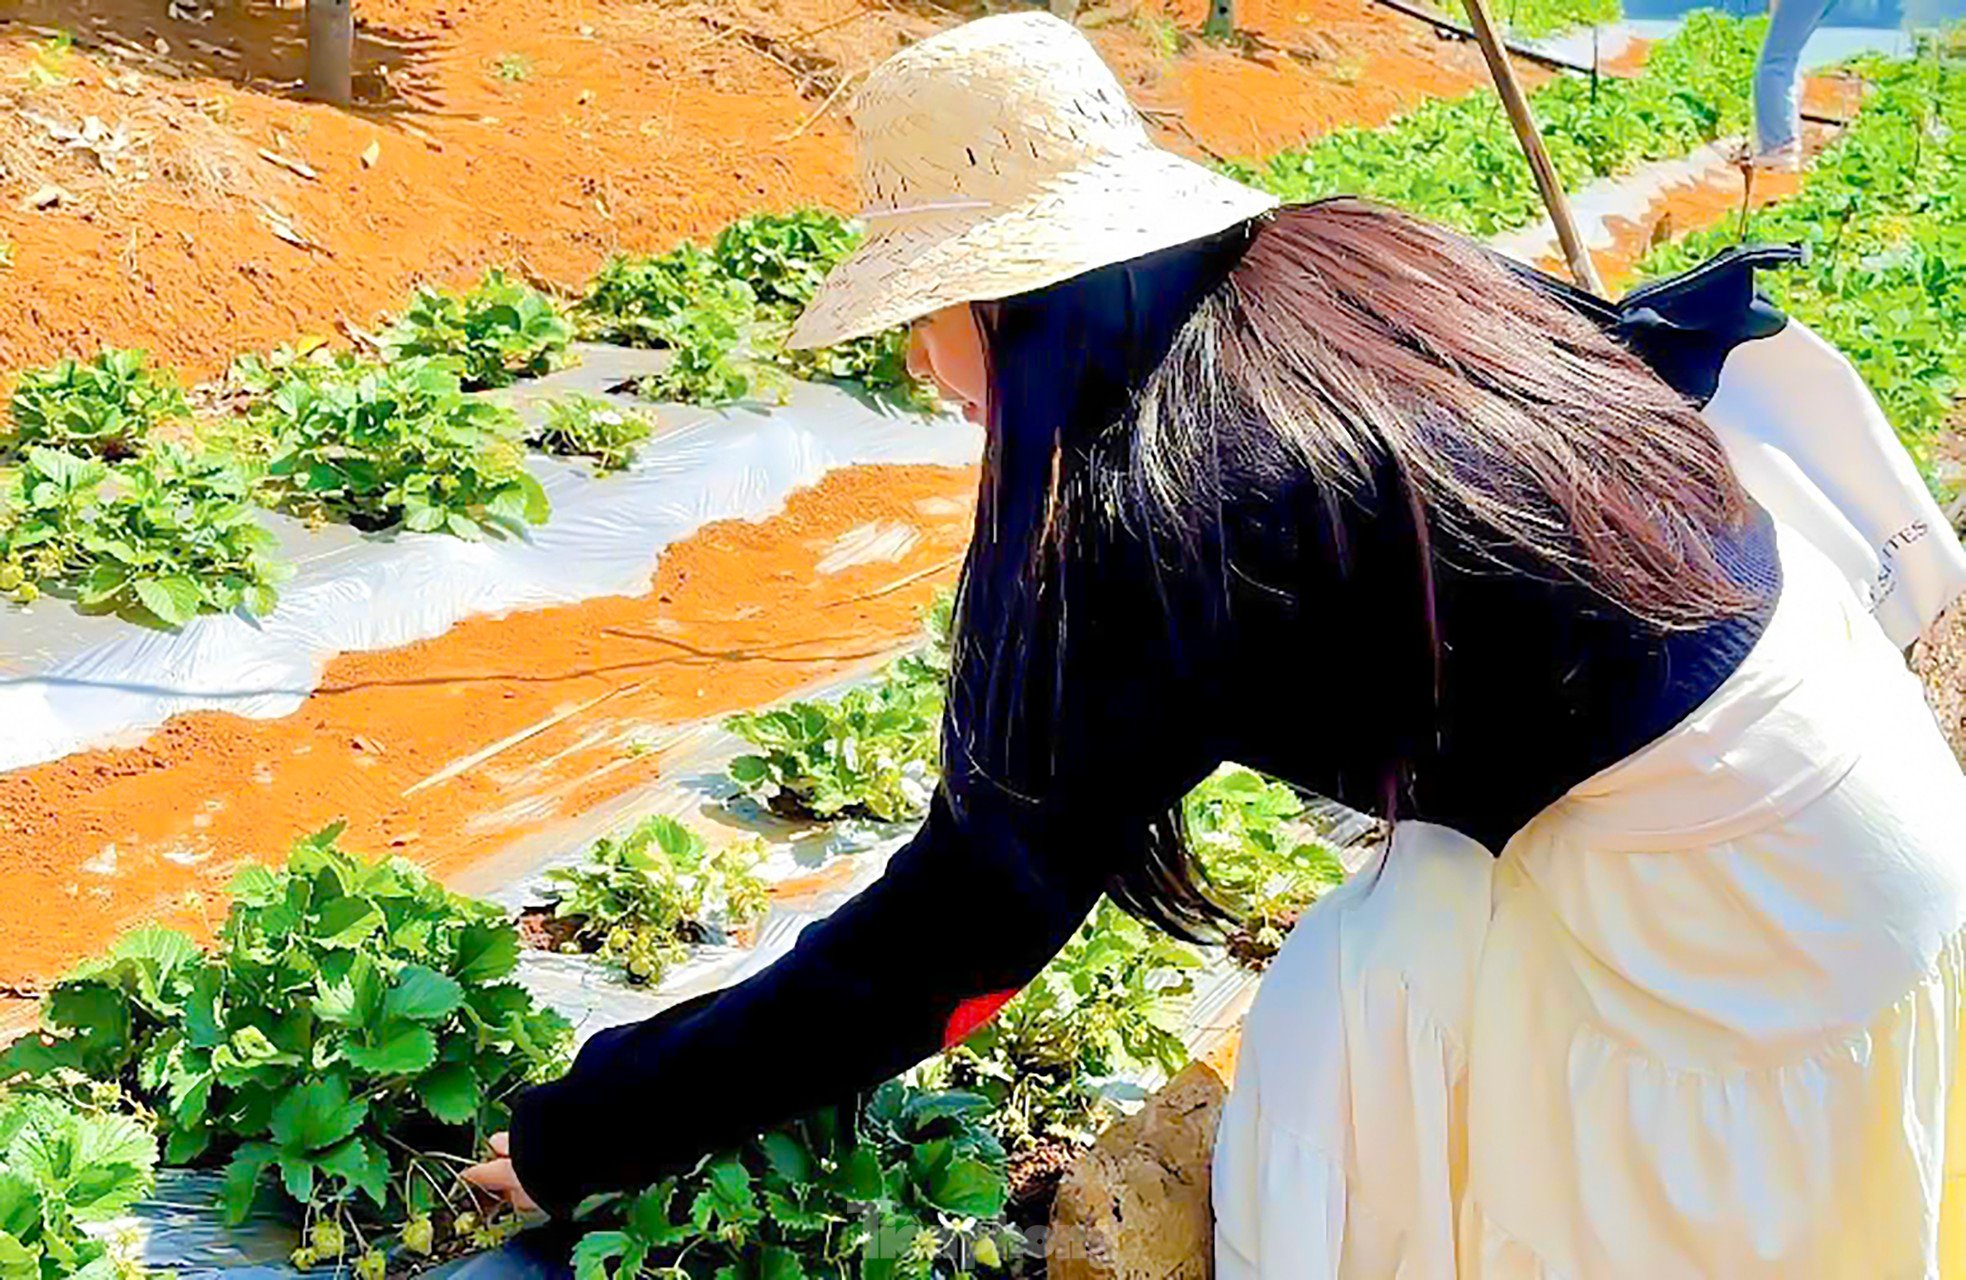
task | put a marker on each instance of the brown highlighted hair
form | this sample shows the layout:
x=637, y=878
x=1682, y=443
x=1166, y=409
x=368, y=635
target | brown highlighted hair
x=1347, y=342
x=1358, y=333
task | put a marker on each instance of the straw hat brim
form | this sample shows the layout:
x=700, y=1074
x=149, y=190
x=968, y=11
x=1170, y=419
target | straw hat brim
x=1113, y=210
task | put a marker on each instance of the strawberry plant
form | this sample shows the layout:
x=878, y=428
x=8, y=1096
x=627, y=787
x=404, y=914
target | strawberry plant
x=1108, y=1003
x=161, y=538
x=635, y=301
x=783, y=257
x=580, y=425
x=726, y=312
x=65, y=1167
x=708, y=364
x=106, y=406
x=349, y=1044
x=641, y=901
x=905, y=1186
x=878, y=362
x=684, y=301
x=498, y=332
x=872, y=752
x=1259, y=855
x=399, y=443
x=1535, y=18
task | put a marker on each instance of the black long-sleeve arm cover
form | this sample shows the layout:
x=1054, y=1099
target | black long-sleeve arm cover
x=965, y=912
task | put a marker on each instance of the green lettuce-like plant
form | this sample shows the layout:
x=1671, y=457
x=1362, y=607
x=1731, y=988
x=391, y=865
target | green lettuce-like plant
x=636, y=301
x=726, y=312
x=1457, y=161
x=908, y=1186
x=400, y=443
x=1536, y=18
x=168, y=535
x=353, y=1038
x=105, y=407
x=499, y=331
x=708, y=363
x=783, y=257
x=63, y=1169
x=643, y=900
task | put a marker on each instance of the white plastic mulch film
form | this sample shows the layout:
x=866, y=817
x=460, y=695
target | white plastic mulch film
x=70, y=682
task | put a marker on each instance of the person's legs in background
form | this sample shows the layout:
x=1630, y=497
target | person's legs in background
x=1778, y=84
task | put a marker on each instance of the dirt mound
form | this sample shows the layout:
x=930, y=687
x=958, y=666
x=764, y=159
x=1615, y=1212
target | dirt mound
x=232, y=216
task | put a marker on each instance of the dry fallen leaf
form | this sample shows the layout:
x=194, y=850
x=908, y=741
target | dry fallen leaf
x=283, y=226
x=290, y=164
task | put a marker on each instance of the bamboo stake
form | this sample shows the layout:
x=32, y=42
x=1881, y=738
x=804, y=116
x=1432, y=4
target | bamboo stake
x=1526, y=133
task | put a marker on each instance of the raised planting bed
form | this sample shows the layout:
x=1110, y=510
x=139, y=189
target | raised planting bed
x=405, y=978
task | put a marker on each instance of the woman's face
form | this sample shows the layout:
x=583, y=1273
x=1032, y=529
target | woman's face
x=946, y=348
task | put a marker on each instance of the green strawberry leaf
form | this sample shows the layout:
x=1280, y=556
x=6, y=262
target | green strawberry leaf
x=450, y=1093
x=486, y=952
x=394, y=1049
x=422, y=994
x=317, y=1114
x=360, y=1163
x=174, y=600
x=242, y=1180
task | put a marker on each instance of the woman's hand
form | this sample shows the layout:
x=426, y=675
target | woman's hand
x=498, y=1177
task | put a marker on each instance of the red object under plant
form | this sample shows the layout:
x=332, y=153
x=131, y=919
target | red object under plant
x=973, y=1013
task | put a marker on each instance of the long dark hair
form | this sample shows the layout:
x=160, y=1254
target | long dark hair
x=1339, y=340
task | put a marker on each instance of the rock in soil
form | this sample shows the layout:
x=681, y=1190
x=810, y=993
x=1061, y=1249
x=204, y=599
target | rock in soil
x=1940, y=661
x=1136, y=1206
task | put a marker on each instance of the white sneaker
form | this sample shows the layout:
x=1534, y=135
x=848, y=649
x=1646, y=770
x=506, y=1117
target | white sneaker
x=1786, y=158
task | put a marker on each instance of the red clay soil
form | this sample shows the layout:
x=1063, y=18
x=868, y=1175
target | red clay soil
x=740, y=615
x=540, y=132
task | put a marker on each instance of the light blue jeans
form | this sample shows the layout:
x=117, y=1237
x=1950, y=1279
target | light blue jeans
x=1777, y=86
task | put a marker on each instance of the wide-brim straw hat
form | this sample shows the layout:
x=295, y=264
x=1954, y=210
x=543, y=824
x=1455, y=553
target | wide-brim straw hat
x=1000, y=157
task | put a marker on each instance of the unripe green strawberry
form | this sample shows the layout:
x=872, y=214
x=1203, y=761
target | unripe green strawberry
x=420, y=1235
x=327, y=1239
